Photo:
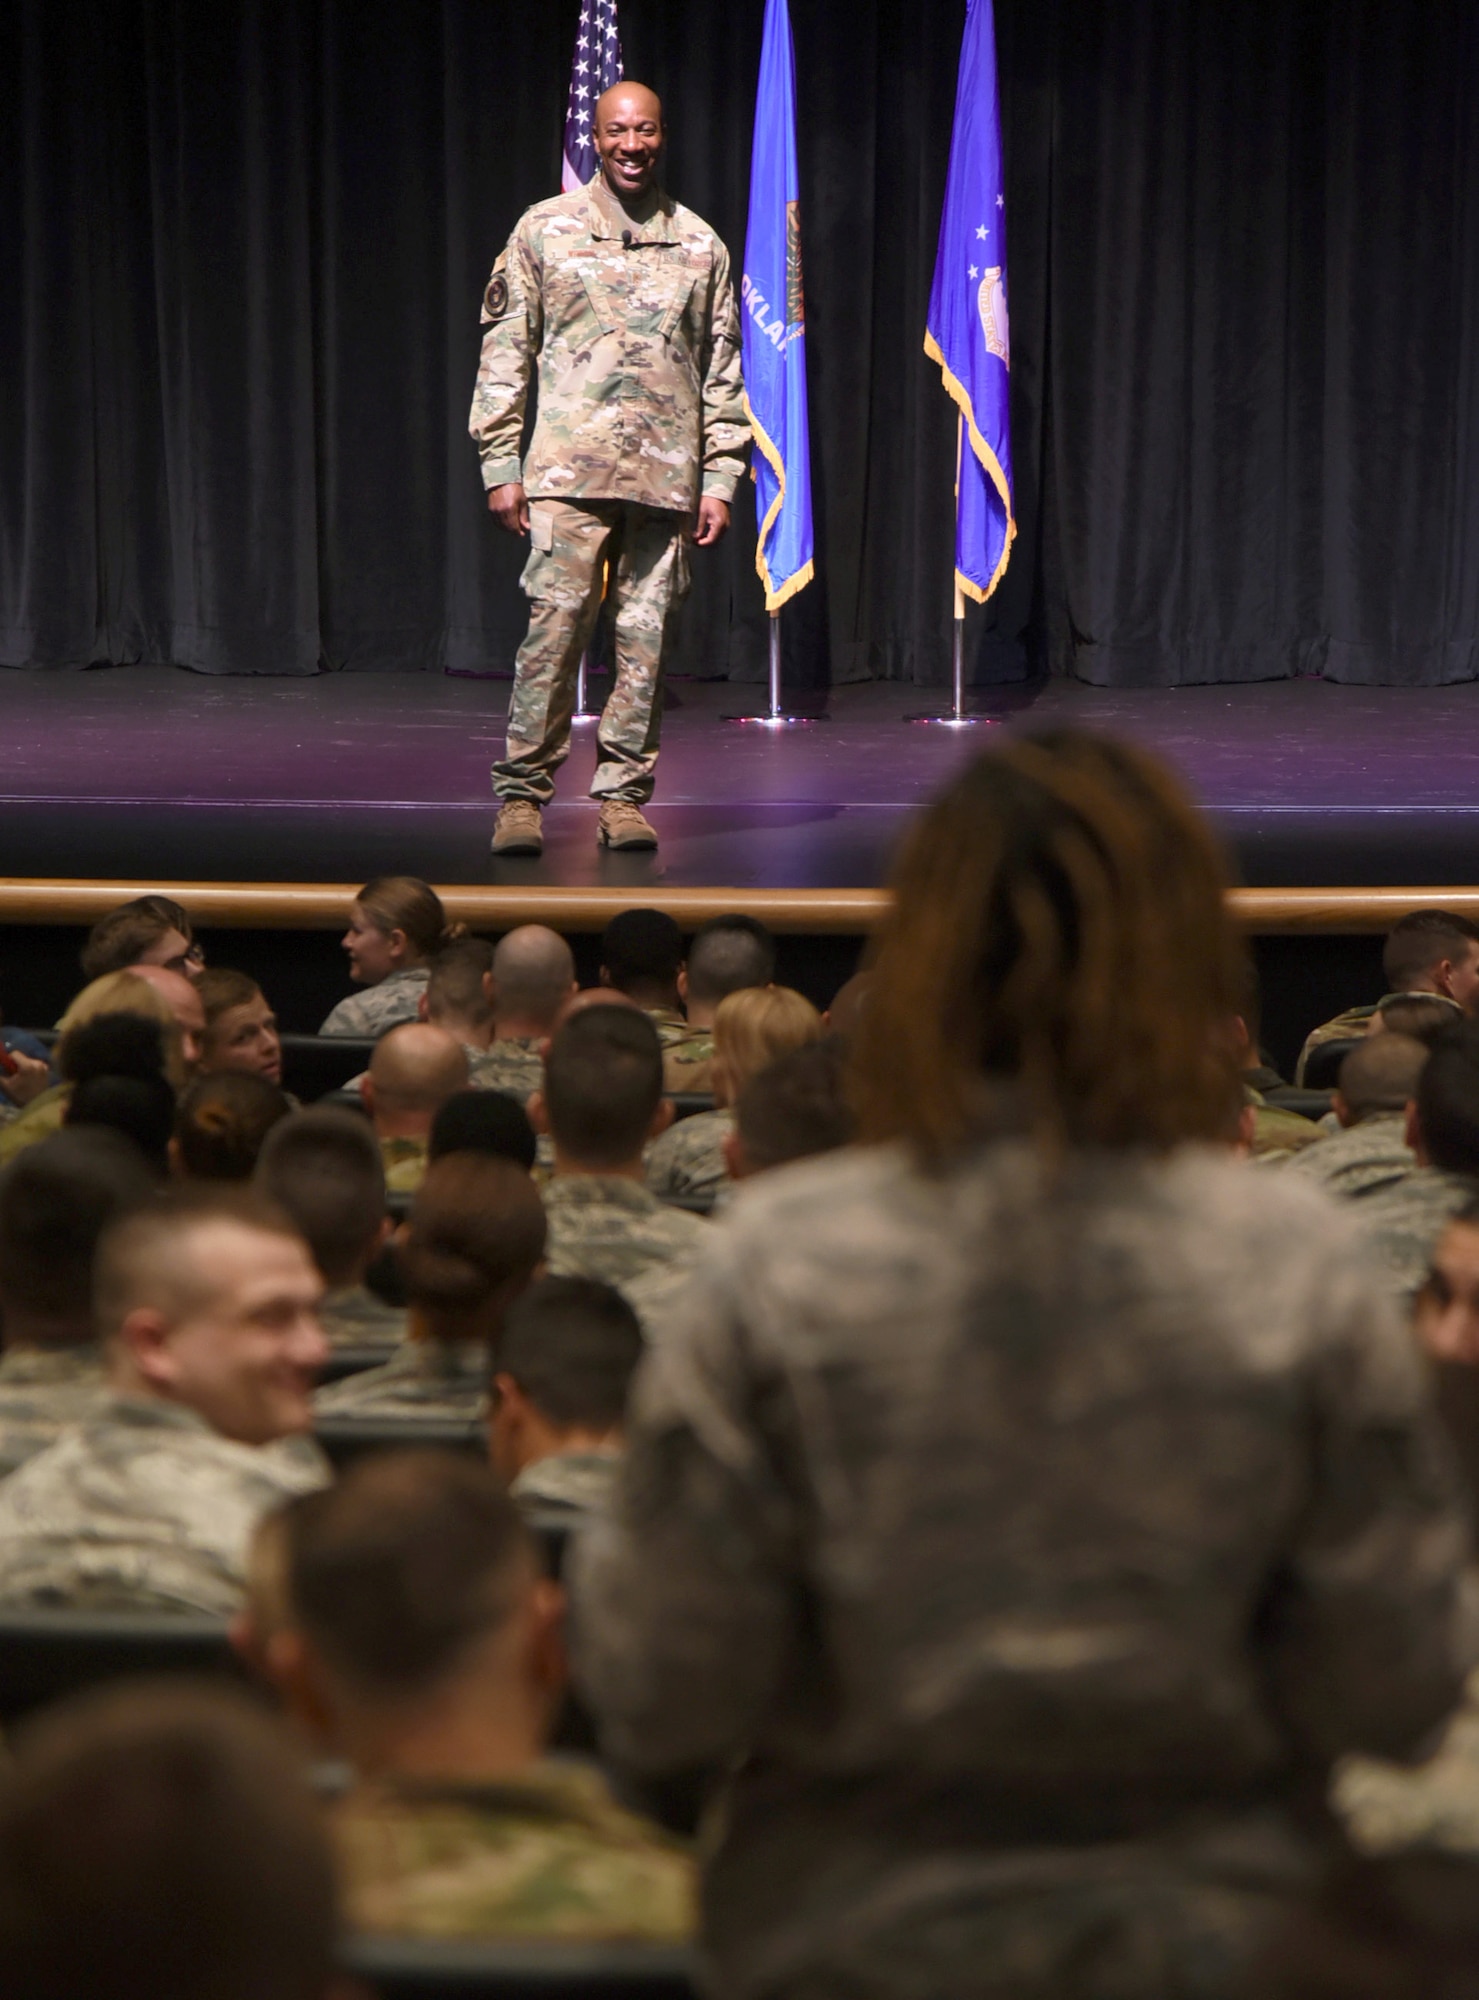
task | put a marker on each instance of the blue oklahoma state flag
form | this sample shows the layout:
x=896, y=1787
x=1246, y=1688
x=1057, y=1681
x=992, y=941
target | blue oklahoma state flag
x=966, y=331
x=774, y=325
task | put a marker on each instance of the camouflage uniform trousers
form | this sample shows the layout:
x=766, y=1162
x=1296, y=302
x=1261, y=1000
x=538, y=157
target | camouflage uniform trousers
x=648, y=555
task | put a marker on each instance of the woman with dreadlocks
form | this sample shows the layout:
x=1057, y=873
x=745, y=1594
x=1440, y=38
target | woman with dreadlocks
x=1025, y=1507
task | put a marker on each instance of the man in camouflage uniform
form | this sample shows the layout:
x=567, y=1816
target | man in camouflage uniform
x=601, y=1102
x=624, y=300
x=455, y=1824
x=1370, y=1153
x=1426, y=952
x=414, y=1070
x=55, y=1201
x=565, y=1363
x=533, y=978
x=960, y=1598
x=209, y=1304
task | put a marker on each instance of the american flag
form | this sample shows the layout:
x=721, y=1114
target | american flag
x=596, y=67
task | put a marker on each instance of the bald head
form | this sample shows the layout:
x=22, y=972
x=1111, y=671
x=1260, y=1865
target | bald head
x=414, y=1070
x=629, y=139
x=182, y=997
x=533, y=977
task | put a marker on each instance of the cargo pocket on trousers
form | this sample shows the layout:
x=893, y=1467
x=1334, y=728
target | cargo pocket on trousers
x=538, y=570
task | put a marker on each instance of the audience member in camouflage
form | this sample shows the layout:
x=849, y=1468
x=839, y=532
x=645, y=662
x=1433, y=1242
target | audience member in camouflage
x=1347, y=1027
x=727, y=954
x=1364, y=1159
x=608, y=1226
x=352, y=1316
x=513, y=1064
x=395, y=999
x=623, y=301
x=688, y=1065
x=1403, y=1221
x=145, y=1508
x=427, y=1381
x=430, y=1665
x=688, y=1159
x=1426, y=952
x=475, y=1236
x=414, y=1070
x=207, y=1304
x=44, y=1392
x=544, y=1853
x=953, y=1486
x=55, y=1203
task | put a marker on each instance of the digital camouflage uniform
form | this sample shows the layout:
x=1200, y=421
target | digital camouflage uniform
x=606, y=1226
x=577, y=1483
x=145, y=1508
x=1021, y=1526
x=1360, y=1159
x=688, y=1159
x=546, y=1854
x=1401, y=1223
x=352, y=1316
x=42, y=1392
x=404, y=1160
x=1392, y=1808
x=423, y=1381
x=634, y=330
x=512, y=1064
x=395, y=999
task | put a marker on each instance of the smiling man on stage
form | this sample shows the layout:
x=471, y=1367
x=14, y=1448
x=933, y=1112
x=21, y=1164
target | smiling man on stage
x=624, y=300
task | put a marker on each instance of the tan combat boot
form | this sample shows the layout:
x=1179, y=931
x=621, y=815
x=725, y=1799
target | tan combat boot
x=518, y=829
x=623, y=826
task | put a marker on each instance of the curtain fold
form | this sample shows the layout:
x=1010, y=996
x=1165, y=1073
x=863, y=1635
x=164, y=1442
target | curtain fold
x=242, y=247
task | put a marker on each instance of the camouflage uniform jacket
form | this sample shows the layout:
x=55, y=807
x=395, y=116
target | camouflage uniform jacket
x=38, y=1120
x=1401, y=1223
x=1388, y=1808
x=427, y=1381
x=545, y=1854
x=352, y=1316
x=1360, y=1159
x=689, y=1157
x=688, y=1065
x=512, y=1064
x=606, y=1226
x=1351, y=1026
x=404, y=1160
x=946, y=1504
x=42, y=1392
x=396, y=998
x=146, y=1508
x=636, y=334
x=1278, y=1133
x=577, y=1483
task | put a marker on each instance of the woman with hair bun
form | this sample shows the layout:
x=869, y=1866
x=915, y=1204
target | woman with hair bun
x=474, y=1241
x=396, y=927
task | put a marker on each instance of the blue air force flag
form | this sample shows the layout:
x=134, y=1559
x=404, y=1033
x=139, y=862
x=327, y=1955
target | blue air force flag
x=596, y=67
x=966, y=331
x=774, y=325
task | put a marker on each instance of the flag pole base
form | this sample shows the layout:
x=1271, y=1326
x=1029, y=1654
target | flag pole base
x=955, y=717
x=775, y=717
x=582, y=713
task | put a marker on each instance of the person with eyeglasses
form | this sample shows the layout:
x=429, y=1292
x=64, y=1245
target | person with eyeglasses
x=150, y=930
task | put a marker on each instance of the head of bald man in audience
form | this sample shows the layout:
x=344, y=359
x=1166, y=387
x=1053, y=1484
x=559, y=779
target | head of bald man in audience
x=533, y=977
x=1379, y=1078
x=414, y=1070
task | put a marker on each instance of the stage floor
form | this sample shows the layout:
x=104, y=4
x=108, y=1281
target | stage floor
x=134, y=772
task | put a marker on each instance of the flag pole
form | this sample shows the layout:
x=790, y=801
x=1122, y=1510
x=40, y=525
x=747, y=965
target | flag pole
x=775, y=717
x=775, y=666
x=582, y=713
x=957, y=718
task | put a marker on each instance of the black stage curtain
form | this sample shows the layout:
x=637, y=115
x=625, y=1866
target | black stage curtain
x=242, y=244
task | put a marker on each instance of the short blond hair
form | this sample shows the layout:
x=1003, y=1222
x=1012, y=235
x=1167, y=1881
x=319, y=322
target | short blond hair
x=756, y=1025
x=124, y=993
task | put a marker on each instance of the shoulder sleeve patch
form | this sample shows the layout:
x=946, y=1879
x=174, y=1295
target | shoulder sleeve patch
x=495, y=299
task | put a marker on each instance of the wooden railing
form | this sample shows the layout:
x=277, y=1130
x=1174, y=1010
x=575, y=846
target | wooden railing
x=837, y=912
